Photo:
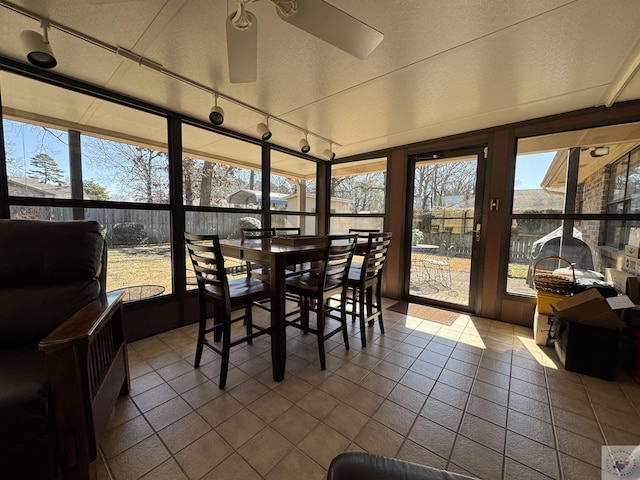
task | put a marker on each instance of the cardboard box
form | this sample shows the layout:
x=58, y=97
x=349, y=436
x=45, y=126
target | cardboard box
x=541, y=327
x=545, y=300
x=633, y=290
x=588, y=308
x=634, y=237
x=587, y=332
x=617, y=278
x=631, y=251
x=630, y=265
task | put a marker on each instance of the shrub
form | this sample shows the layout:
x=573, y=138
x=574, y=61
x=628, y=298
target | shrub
x=249, y=222
x=417, y=236
x=129, y=234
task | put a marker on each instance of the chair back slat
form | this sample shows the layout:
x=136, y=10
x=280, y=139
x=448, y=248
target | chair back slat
x=256, y=233
x=363, y=232
x=339, y=254
x=376, y=255
x=207, y=261
x=286, y=231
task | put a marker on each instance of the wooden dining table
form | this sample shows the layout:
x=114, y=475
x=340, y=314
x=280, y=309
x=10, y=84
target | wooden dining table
x=277, y=256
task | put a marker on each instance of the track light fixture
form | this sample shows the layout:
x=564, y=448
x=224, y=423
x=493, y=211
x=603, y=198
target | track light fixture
x=599, y=152
x=304, y=144
x=37, y=47
x=40, y=54
x=263, y=130
x=216, y=116
x=328, y=153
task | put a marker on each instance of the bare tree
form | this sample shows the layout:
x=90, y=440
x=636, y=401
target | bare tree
x=436, y=182
x=140, y=173
x=365, y=191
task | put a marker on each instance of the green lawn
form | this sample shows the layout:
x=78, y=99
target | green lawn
x=151, y=264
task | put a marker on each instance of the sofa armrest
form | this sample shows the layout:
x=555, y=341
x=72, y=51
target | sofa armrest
x=87, y=364
x=368, y=466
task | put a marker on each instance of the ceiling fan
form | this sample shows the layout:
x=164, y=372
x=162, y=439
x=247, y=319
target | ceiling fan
x=317, y=17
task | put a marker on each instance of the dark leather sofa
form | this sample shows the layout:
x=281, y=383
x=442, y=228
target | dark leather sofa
x=368, y=466
x=62, y=350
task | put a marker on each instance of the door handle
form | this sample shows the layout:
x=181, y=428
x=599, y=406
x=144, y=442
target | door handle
x=477, y=231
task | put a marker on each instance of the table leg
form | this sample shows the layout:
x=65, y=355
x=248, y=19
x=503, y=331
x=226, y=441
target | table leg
x=278, y=312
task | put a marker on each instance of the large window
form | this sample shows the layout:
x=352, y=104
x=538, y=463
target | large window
x=624, y=196
x=220, y=171
x=73, y=147
x=74, y=156
x=358, y=195
x=575, y=196
x=293, y=192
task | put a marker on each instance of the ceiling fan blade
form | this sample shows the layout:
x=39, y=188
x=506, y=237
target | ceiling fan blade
x=101, y=2
x=332, y=25
x=242, y=50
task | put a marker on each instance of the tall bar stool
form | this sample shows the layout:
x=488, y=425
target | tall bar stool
x=363, y=279
x=261, y=272
x=226, y=296
x=317, y=286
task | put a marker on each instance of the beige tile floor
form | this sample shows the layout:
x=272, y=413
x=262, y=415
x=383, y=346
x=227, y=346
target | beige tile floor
x=478, y=397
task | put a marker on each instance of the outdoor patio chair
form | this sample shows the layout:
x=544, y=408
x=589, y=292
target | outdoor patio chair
x=439, y=267
x=225, y=296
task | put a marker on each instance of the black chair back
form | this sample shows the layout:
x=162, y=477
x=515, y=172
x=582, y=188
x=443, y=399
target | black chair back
x=208, y=263
x=286, y=231
x=335, y=268
x=256, y=233
x=375, y=256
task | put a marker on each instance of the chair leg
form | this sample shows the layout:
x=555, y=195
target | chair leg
x=363, y=330
x=201, y=328
x=226, y=349
x=304, y=316
x=217, y=333
x=370, y=305
x=379, y=307
x=343, y=319
x=320, y=328
x=353, y=301
x=248, y=322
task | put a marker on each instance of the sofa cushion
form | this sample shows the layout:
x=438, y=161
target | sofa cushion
x=29, y=314
x=25, y=406
x=48, y=271
x=64, y=252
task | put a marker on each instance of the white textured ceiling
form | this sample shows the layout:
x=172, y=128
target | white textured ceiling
x=443, y=67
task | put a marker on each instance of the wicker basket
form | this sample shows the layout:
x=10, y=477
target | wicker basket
x=547, y=282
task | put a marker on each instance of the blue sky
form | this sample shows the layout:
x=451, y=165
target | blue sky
x=26, y=142
x=530, y=169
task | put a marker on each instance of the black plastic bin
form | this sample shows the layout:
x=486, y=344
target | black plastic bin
x=588, y=350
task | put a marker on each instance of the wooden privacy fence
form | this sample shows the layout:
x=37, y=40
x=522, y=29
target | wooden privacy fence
x=157, y=223
x=519, y=248
x=158, y=227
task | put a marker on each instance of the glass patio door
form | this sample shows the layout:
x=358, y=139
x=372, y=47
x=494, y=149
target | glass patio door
x=445, y=228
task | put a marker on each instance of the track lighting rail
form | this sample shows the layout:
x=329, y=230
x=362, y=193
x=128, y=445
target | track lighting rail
x=145, y=62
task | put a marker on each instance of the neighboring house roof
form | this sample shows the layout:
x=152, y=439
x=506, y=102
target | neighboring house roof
x=533, y=198
x=537, y=199
x=254, y=197
x=32, y=187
